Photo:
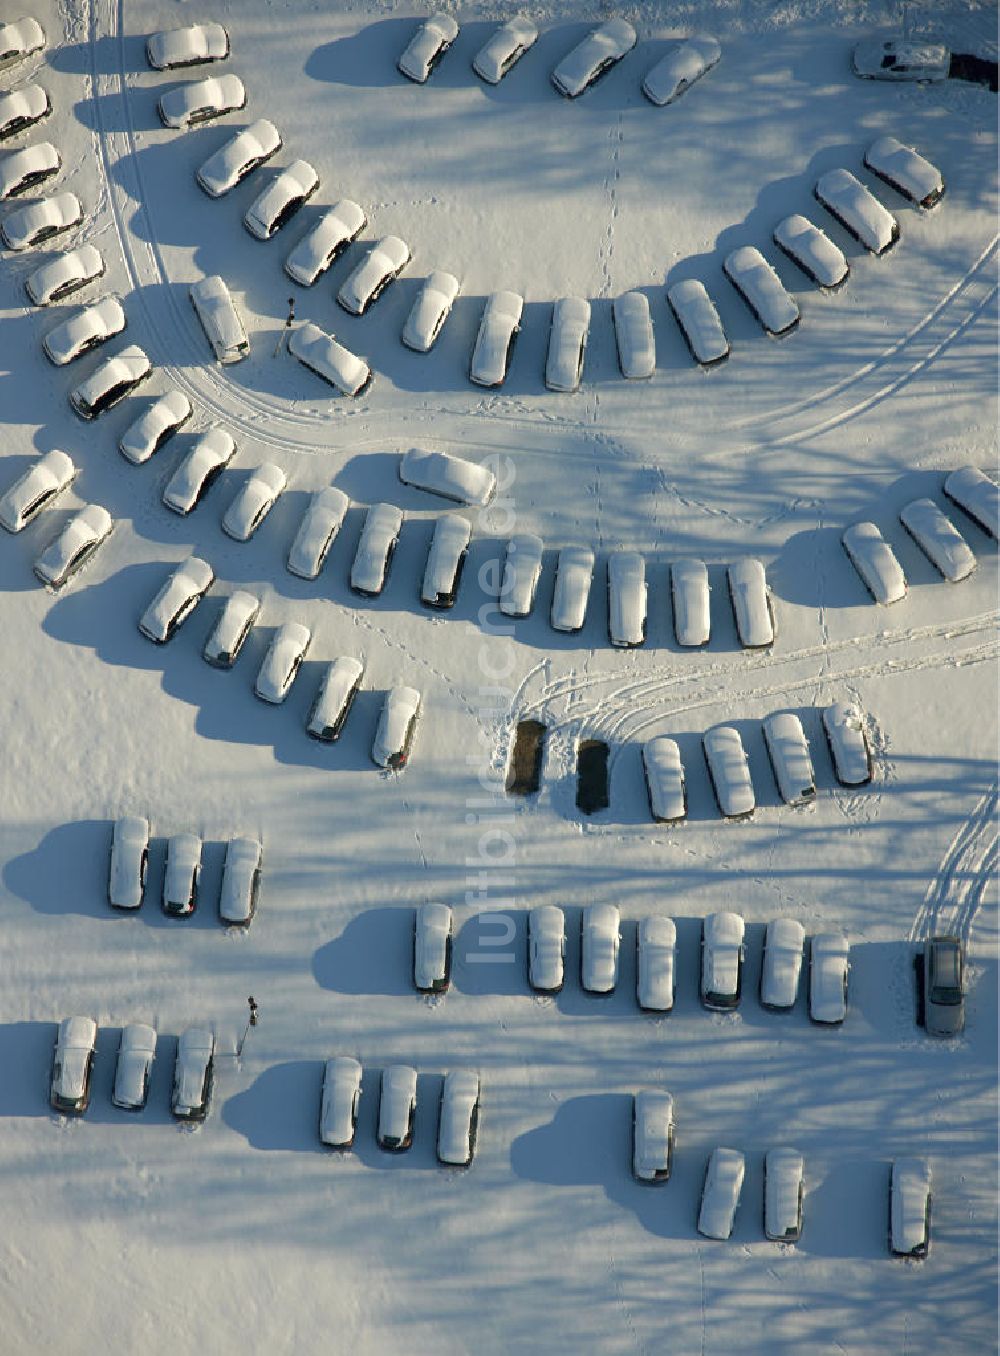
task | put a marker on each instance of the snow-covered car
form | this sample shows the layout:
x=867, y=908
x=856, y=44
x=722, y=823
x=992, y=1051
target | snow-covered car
x=690, y=595
x=19, y=39
x=665, y=785
x=720, y=1195
x=239, y=157
x=626, y=599
x=680, y=68
x=136, y=1052
x=41, y=221
x=521, y=570
x=320, y=524
x=147, y=434
x=326, y=242
x=201, y=101
x=944, y=986
x=567, y=343
x=779, y=976
x=976, y=495
x=849, y=750
x=458, y=1121
x=432, y=940
x=240, y=881
x=600, y=938
x=430, y=310
x=236, y=620
x=384, y=261
x=28, y=168
x=289, y=647
x=498, y=328
x=729, y=771
x=334, y=698
x=194, y=1073
x=383, y=524
x=177, y=599
x=939, y=539
x=182, y=875
x=652, y=1135
x=505, y=47
x=397, y=1107
x=574, y=573
x=751, y=600
x=634, y=336
x=901, y=59
x=109, y=384
x=858, y=211
x=129, y=862
x=910, y=1208
x=254, y=502
x=656, y=963
x=281, y=199
x=828, y=968
x=873, y=558
x=427, y=46
x=74, y=546
x=64, y=275
x=789, y=754
x=21, y=108
x=450, y=477
x=84, y=330
x=445, y=561
x=783, y=1195
x=322, y=354
x=199, y=470
x=396, y=727
x=602, y=48
x=72, y=1066
x=695, y=313
x=722, y=961
x=35, y=490
x=762, y=290
x=187, y=46
x=338, y=1112
x=546, y=948
x=214, y=307
x=812, y=251
x=903, y=169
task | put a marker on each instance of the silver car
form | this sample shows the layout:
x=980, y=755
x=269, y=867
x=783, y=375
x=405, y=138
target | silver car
x=680, y=68
x=65, y=274
x=327, y=240
x=812, y=251
x=275, y=206
x=939, y=539
x=722, y=961
x=432, y=943
x=183, y=875
x=567, y=343
x=338, y=1115
x=783, y=1195
x=427, y=46
x=151, y=430
x=665, y=783
x=282, y=662
x=904, y=170
x=199, y=470
x=188, y=46
x=136, y=1053
x=38, y=222
x=180, y=595
x=379, y=536
x=626, y=599
x=238, y=158
x=240, y=890
x=74, y=547
x=458, y=1123
x=828, y=969
x=751, y=600
x=194, y=1073
x=789, y=754
x=762, y=290
x=21, y=108
x=236, y=621
x=546, y=948
x=695, y=313
x=849, y=749
x=320, y=524
x=656, y=963
x=858, y=211
x=910, y=1208
x=220, y=319
x=384, y=262
x=652, y=1135
x=873, y=558
x=110, y=383
x=396, y=728
x=944, y=986
x=84, y=330
x=689, y=592
x=20, y=39
x=976, y=495
x=574, y=574
x=729, y=771
x=28, y=168
x=600, y=939
x=521, y=571
x=505, y=47
x=129, y=862
x=445, y=562
x=779, y=976
x=451, y=477
x=254, y=502
x=498, y=328
x=201, y=101
x=334, y=698
x=322, y=354
x=602, y=48
x=397, y=1108
x=720, y=1195
x=634, y=336
x=430, y=310
x=72, y=1066
x=36, y=489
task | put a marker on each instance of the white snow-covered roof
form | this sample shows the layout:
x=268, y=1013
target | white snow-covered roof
x=504, y=47
x=147, y=433
x=859, y=211
x=661, y=759
x=694, y=310
x=430, y=309
x=20, y=108
x=782, y=1193
x=36, y=489
x=19, y=39
x=84, y=330
x=285, y=654
x=977, y=495
x=28, y=167
x=905, y=170
x=909, y=1192
x=789, y=752
x=653, y=1113
x=400, y=710
x=64, y=274
x=39, y=221
x=320, y=524
x=238, y=614
x=339, y=681
x=626, y=598
x=217, y=312
x=448, y=545
x=779, y=980
x=213, y=451
x=657, y=948
x=938, y=538
x=729, y=770
x=828, y=962
x=201, y=100
x=239, y=875
x=387, y=258
x=574, y=574
x=845, y=734
x=751, y=605
x=322, y=354
x=183, y=865
x=690, y=595
x=449, y=476
x=567, y=341
x=721, y=1193
x=634, y=336
x=721, y=956
x=318, y=248
x=522, y=566
x=424, y=49
x=341, y=1085
x=254, y=501
x=680, y=68
x=762, y=289
x=182, y=590
x=282, y=197
x=500, y=321
x=75, y=544
x=238, y=157
x=432, y=929
x=873, y=558
x=397, y=1100
x=187, y=46
x=459, y=1098
x=546, y=945
x=601, y=934
x=601, y=48
x=383, y=523
x=813, y=250
x=129, y=841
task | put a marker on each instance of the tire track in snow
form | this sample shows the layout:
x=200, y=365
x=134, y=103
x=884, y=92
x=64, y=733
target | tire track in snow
x=958, y=888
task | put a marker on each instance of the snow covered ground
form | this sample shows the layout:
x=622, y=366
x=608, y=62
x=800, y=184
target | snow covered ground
x=128, y=1233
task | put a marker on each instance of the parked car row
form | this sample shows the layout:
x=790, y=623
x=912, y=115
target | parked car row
x=591, y=58
x=129, y=865
x=729, y=769
x=933, y=531
x=36, y=490
x=73, y=1065
x=458, y=1112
